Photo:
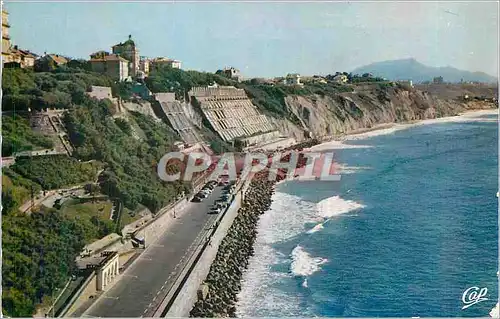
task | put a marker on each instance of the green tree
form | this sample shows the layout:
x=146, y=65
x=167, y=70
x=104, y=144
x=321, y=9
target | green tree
x=18, y=136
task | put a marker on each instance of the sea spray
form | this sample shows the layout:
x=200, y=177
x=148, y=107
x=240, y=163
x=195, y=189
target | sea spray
x=335, y=205
x=303, y=264
x=288, y=217
x=316, y=228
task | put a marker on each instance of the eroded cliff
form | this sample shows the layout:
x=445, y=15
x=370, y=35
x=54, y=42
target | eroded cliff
x=329, y=115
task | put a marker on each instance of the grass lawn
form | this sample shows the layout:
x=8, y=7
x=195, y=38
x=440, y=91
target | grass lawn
x=93, y=217
x=129, y=216
x=100, y=209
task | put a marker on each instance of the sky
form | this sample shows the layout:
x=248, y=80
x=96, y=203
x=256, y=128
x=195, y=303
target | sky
x=268, y=39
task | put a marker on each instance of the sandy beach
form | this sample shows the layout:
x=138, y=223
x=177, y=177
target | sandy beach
x=389, y=128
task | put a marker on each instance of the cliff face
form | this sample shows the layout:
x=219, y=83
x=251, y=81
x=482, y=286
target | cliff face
x=288, y=128
x=326, y=115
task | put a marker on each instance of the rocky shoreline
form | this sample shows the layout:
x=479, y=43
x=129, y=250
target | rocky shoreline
x=217, y=294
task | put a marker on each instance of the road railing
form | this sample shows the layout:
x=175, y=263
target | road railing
x=201, y=244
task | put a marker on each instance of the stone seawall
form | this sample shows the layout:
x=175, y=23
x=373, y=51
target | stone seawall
x=217, y=295
x=190, y=280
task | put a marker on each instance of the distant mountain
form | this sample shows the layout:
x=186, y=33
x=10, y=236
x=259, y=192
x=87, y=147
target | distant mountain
x=411, y=69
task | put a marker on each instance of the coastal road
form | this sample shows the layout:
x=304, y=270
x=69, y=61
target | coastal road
x=146, y=282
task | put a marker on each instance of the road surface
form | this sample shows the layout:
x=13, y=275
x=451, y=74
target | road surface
x=146, y=282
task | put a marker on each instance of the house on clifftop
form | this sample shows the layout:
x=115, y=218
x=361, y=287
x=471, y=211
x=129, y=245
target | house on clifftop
x=112, y=65
x=293, y=79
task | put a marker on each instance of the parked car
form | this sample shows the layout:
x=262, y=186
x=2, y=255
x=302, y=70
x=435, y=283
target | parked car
x=206, y=191
x=208, y=186
x=214, y=210
x=229, y=188
x=197, y=199
x=220, y=204
x=212, y=183
x=201, y=195
x=224, y=183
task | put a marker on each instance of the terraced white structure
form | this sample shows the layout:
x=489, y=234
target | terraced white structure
x=230, y=112
x=178, y=117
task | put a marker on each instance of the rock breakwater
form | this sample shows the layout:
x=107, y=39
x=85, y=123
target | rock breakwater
x=217, y=296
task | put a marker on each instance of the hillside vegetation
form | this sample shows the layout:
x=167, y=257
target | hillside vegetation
x=39, y=249
x=38, y=254
x=17, y=136
x=57, y=171
x=167, y=79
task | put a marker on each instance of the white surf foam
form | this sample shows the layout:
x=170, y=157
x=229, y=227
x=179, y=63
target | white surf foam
x=495, y=312
x=316, y=228
x=286, y=218
x=465, y=117
x=335, y=145
x=335, y=205
x=303, y=264
x=375, y=132
x=304, y=284
x=474, y=116
x=346, y=169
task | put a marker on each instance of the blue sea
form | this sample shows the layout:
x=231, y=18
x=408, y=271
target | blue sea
x=411, y=225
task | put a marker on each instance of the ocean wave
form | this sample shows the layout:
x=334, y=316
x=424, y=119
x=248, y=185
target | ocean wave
x=476, y=116
x=376, y=132
x=304, y=284
x=345, y=169
x=335, y=205
x=316, y=228
x=303, y=264
x=336, y=145
x=286, y=218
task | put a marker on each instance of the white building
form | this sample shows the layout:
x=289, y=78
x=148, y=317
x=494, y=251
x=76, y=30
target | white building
x=144, y=65
x=232, y=73
x=159, y=62
x=406, y=82
x=293, y=79
x=340, y=78
x=112, y=65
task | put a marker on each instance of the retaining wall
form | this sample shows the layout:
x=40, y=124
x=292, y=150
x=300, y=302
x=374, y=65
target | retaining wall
x=71, y=305
x=184, y=292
